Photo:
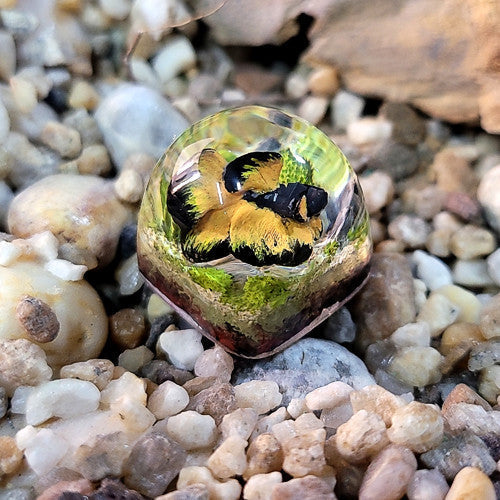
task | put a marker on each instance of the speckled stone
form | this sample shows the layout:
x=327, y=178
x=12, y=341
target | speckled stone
x=264, y=455
x=217, y=401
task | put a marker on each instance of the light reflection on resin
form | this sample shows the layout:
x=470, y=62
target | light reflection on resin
x=253, y=227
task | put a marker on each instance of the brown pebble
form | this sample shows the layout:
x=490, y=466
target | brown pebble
x=304, y=454
x=10, y=455
x=38, y=319
x=56, y=491
x=471, y=484
x=463, y=205
x=198, y=384
x=462, y=393
x=303, y=488
x=264, y=455
x=216, y=401
x=127, y=328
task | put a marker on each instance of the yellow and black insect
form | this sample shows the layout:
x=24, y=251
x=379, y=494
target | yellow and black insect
x=242, y=208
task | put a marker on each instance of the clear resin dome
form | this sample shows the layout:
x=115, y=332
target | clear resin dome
x=253, y=227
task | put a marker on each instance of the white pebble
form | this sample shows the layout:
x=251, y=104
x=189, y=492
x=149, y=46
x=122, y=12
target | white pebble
x=259, y=487
x=8, y=253
x=240, y=422
x=42, y=448
x=20, y=399
x=182, y=347
x=346, y=108
x=176, y=56
x=412, y=334
x=128, y=387
x=369, y=130
x=438, y=312
x=431, y=270
x=116, y=9
x=378, y=189
x=313, y=108
x=192, y=430
x=227, y=490
x=168, y=399
x=493, y=263
x=65, y=270
x=45, y=245
x=471, y=273
x=297, y=407
x=261, y=395
x=24, y=93
x=229, y=459
x=7, y=55
x=328, y=396
x=129, y=186
x=128, y=276
x=61, y=398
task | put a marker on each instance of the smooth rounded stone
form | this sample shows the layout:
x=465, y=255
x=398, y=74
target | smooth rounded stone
x=389, y=474
x=133, y=360
x=76, y=488
x=227, y=490
x=471, y=482
x=24, y=93
x=427, y=485
x=439, y=313
x=229, y=459
x=398, y=160
x=328, y=396
x=7, y=55
x=453, y=173
x=472, y=241
x=471, y=273
x=128, y=276
x=78, y=209
x=62, y=139
x=217, y=401
x=261, y=395
x=489, y=319
x=465, y=301
x=431, y=270
x=192, y=430
x=378, y=189
x=81, y=315
x=264, y=455
x=361, y=437
x=417, y=426
x=345, y=109
x=83, y=95
x=303, y=487
x=387, y=301
x=193, y=492
x=137, y=119
x=340, y=327
x=313, y=108
x=259, y=486
x=407, y=126
x=412, y=334
x=23, y=363
x=182, y=347
x=38, y=319
x=154, y=462
x=129, y=186
x=215, y=362
x=376, y=399
x=296, y=84
x=11, y=456
x=81, y=120
x=493, y=263
x=377, y=230
x=127, y=327
x=97, y=371
x=240, y=422
x=93, y=160
x=410, y=229
x=324, y=81
x=425, y=202
x=416, y=366
x=128, y=388
x=63, y=398
x=304, y=454
x=42, y=448
x=175, y=57
x=306, y=365
x=456, y=452
x=487, y=195
x=489, y=383
x=369, y=130
x=168, y=399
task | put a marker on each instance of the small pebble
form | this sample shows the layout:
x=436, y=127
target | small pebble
x=24, y=93
x=97, y=371
x=378, y=189
x=129, y=186
x=215, y=362
x=361, y=437
x=410, y=229
x=11, y=456
x=61, y=138
x=470, y=482
x=78, y=487
x=416, y=366
x=313, y=108
x=127, y=388
x=65, y=270
x=261, y=395
x=8, y=59
x=467, y=303
x=472, y=241
x=427, y=485
x=127, y=327
x=217, y=401
x=369, y=130
x=175, y=57
x=192, y=430
x=240, y=422
x=227, y=490
x=471, y=273
x=489, y=320
x=493, y=263
x=328, y=396
x=346, y=109
x=134, y=359
x=460, y=336
x=398, y=160
x=438, y=242
x=489, y=383
x=412, y=334
x=304, y=453
x=408, y=126
x=484, y=354
x=182, y=347
x=83, y=95
x=487, y=195
x=431, y=270
x=264, y=455
x=453, y=173
x=438, y=312
x=168, y=399
x=259, y=486
x=389, y=474
x=229, y=459
x=38, y=319
x=93, y=160
x=303, y=487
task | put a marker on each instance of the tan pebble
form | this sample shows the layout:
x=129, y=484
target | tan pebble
x=460, y=334
x=376, y=399
x=198, y=384
x=324, y=80
x=466, y=302
x=471, y=484
x=438, y=312
x=453, y=173
x=228, y=490
x=38, y=319
x=127, y=327
x=489, y=383
x=389, y=474
x=229, y=459
x=489, y=320
x=417, y=366
x=307, y=487
x=446, y=221
x=83, y=95
x=129, y=186
x=283, y=431
x=417, y=426
x=97, y=371
x=24, y=93
x=61, y=138
x=264, y=455
x=438, y=242
x=71, y=6
x=304, y=454
x=240, y=422
x=94, y=160
x=259, y=487
x=361, y=437
x=472, y=241
x=10, y=455
x=307, y=422
x=7, y=4
x=462, y=393
x=390, y=246
x=261, y=395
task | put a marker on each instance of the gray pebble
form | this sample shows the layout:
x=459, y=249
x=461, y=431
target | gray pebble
x=340, y=327
x=484, y=355
x=398, y=160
